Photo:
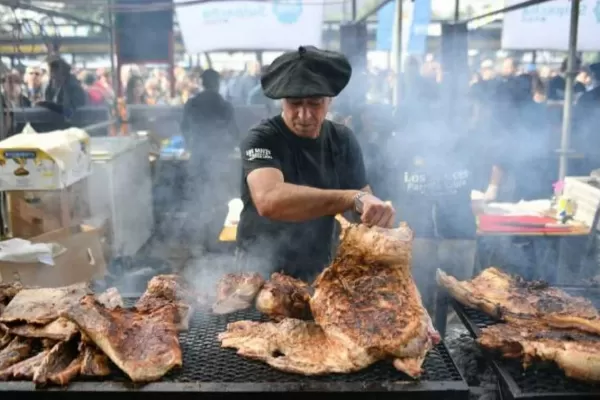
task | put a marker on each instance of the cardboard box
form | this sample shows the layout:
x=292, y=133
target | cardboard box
x=82, y=262
x=44, y=161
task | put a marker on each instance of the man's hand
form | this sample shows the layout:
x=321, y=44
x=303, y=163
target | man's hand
x=376, y=212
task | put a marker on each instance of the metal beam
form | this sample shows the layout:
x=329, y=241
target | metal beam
x=51, y=13
x=514, y=7
x=372, y=11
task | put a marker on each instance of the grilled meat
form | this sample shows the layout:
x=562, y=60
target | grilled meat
x=110, y=298
x=60, y=329
x=284, y=297
x=576, y=353
x=25, y=369
x=8, y=291
x=364, y=300
x=510, y=298
x=93, y=361
x=42, y=306
x=5, y=337
x=18, y=349
x=143, y=345
x=164, y=290
x=237, y=292
x=60, y=365
x=293, y=346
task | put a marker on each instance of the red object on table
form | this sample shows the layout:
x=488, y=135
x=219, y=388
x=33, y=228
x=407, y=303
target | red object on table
x=520, y=223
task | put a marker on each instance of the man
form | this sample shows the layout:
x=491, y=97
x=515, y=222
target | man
x=35, y=87
x=211, y=136
x=557, y=85
x=586, y=119
x=64, y=93
x=300, y=170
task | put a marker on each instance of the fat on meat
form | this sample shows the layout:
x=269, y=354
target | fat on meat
x=283, y=296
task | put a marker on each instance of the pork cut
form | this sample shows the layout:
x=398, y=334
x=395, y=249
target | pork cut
x=164, y=290
x=5, y=337
x=18, y=349
x=93, y=361
x=8, y=291
x=511, y=298
x=237, y=292
x=143, y=345
x=367, y=298
x=295, y=346
x=577, y=353
x=61, y=329
x=59, y=366
x=25, y=369
x=284, y=297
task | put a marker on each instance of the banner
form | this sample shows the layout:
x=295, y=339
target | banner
x=415, y=21
x=546, y=26
x=250, y=25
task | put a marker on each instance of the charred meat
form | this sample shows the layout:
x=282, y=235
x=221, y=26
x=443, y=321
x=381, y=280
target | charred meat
x=25, y=369
x=5, y=337
x=17, y=350
x=93, y=361
x=60, y=329
x=60, y=365
x=168, y=290
x=510, y=298
x=237, y=292
x=284, y=297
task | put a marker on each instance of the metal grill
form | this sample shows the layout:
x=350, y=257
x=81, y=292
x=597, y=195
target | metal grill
x=541, y=380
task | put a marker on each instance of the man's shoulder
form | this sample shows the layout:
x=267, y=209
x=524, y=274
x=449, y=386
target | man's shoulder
x=266, y=131
x=337, y=131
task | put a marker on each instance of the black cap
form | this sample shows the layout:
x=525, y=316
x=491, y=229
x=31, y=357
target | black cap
x=308, y=72
x=595, y=70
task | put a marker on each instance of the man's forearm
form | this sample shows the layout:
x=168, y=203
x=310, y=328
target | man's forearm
x=292, y=203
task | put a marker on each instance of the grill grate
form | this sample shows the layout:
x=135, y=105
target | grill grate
x=541, y=380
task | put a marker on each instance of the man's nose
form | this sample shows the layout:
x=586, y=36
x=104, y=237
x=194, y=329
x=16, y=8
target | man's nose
x=304, y=113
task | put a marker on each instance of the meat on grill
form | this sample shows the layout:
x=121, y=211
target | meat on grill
x=284, y=297
x=293, y=345
x=42, y=306
x=5, y=337
x=93, y=361
x=237, y=292
x=25, y=369
x=8, y=291
x=576, y=353
x=17, y=350
x=110, y=298
x=166, y=290
x=367, y=298
x=511, y=298
x=143, y=345
x=60, y=365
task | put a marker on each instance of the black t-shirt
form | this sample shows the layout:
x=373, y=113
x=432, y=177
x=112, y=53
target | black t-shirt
x=331, y=161
x=556, y=88
x=433, y=186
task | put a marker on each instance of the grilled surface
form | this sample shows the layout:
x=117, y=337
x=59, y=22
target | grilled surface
x=284, y=297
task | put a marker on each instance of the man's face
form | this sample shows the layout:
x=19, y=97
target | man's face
x=305, y=116
x=508, y=67
x=34, y=77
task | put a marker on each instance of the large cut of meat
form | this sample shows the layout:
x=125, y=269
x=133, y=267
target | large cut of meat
x=93, y=361
x=5, y=337
x=284, y=297
x=18, y=349
x=42, y=306
x=237, y=292
x=8, y=291
x=576, y=353
x=143, y=345
x=368, y=299
x=366, y=308
x=511, y=298
x=168, y=290
x=59, y=366
x=25, y=369
x=295, y=346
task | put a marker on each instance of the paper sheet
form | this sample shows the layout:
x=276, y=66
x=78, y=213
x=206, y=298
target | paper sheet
x=23, y=251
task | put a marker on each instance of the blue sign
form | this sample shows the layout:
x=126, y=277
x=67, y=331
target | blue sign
x=287, y=12
x=417, y=40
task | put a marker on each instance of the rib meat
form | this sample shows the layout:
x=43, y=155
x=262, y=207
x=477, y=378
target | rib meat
x=367, y=299
x=510, y=298
x=25, y=369
x=59, y=366
x=576, y=353
x=93, y=361
x=166, y=290
x=237, y=292
x=284, y=297
x=18, y=349
x=143, y=345
x=294, y=346
x=60, y=329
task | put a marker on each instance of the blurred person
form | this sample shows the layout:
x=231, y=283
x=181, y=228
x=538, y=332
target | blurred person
x=510, y=67
x=96, y=93
x=135, y=91
x=104, y=83
x=586, y=120
x=256, y=96
x=557, y=84
x=210, y=136
x=245, y=83
x=538, y=88
x=487, y=70
x=63, y=90
x=35, y=85
x=12, y=89
x=300, y=170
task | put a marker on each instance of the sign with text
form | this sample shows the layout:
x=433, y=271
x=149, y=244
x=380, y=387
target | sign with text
x=250, y=25
x=546, y=26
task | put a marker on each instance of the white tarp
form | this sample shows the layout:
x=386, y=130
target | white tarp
x=250, y=25
x=546, y=26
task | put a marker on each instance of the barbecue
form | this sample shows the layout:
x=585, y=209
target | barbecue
x=284, y=297
x=237, y=292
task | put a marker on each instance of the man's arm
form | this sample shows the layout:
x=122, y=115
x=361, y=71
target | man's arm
x=282, y=201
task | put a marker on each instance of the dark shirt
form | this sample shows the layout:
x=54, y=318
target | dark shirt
x=68, y=97
x=556, y=88
x=331, y=161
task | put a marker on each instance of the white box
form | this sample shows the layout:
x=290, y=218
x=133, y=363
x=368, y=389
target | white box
x=121, y=190
x=581, y=189
x=44, y=161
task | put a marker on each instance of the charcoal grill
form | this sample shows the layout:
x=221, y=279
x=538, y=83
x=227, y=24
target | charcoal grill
x=209, y=369
x=539, y=381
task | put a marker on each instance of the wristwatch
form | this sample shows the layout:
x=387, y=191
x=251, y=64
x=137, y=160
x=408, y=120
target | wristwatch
x=358, y=204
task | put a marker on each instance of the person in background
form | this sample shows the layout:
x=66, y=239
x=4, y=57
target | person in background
x=557, y=84
x=96, y=93
x=64, y=90
x=257, y=97
x=135, y=92
x=34, y=83
x=12, y=88
x=586, y=120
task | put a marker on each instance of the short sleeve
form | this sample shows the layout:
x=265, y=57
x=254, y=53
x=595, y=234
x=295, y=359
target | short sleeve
x=355, y=175
x=259, y=149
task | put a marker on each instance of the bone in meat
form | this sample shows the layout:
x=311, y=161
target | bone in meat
x=364, y=300
x=18, y=349
x=510, y=298
x=143, y=345
x=42, y=306
x=283, y=296
x=59, y=366
x=293, y=345
x=25, y=369
x=165, y=290
x=577, y=353
x=237, y=292
x=94, y=362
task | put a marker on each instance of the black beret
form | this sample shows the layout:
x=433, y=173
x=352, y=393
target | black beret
x=308, y=72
